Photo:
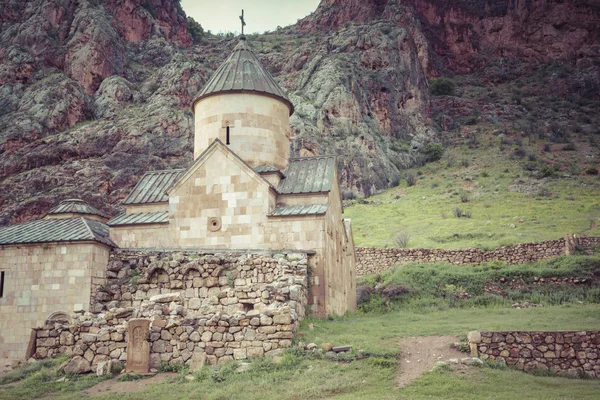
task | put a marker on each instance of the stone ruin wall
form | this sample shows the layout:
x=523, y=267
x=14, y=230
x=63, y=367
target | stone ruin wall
x=210, y=308
x=570, y=352
x=374, y=260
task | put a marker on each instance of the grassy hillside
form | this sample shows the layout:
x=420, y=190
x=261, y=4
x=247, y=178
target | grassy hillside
x=507, y=191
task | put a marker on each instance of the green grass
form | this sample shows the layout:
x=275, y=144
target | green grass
x=415, y=286
x=500, y=216
x=499, y=385
x=46, y=380
x=377, y=333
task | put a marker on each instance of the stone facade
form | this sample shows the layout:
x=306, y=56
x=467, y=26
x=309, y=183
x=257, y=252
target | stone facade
x=202, y=307
x=221, y=187
x=259, y=127
x=374, y=260
x=570, y=352
x=242, y=193
x=42, y=281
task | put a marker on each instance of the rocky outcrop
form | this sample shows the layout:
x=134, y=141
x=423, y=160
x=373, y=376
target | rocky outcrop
x=467, y=35
x=92, y=94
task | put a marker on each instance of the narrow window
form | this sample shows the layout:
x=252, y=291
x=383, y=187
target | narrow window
x=1, y=284
x=227, y=138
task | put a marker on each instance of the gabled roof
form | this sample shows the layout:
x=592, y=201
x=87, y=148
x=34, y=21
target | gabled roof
x=217, y=144
x=76, y=206
x=289, y=211
x=153, y=186
x=243, y=72
x=140, y=219
x=309, y=175
x=56, y=230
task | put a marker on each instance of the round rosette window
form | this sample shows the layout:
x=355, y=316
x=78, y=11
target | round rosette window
x=214, y=224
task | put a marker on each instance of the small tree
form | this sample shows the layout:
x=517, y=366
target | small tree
x=195, y=29
x=433, y=151
x=443, y=87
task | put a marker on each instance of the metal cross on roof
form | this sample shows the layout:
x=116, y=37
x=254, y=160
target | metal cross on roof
x=243, y=22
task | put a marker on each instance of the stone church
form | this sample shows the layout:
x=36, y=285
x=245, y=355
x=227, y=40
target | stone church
x=242, y=194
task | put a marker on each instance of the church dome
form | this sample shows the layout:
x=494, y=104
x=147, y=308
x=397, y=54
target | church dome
x=242, y=72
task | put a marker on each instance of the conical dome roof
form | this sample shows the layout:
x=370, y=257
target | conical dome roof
x=243, y=72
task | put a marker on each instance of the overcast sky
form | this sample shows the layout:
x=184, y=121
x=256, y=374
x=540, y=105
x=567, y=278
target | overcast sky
x=261, y=15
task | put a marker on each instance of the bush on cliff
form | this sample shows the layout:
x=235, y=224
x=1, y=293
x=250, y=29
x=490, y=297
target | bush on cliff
x=433, y=151
x=195, y=29
x=442, y=87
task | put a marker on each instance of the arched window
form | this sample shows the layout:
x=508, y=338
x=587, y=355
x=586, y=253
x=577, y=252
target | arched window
x=59, y=316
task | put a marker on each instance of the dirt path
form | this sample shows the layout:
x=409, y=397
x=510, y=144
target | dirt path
x=419, y=354
x=114, y=386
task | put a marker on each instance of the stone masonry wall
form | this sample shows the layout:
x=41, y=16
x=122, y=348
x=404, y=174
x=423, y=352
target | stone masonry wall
x=571, y=352
x=209, y=308
x=43, y=280
x=374, y=260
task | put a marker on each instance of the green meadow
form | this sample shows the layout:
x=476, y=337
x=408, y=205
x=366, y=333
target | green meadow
x=498, y=200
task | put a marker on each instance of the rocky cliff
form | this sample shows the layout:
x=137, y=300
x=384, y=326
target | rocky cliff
x=95, y=92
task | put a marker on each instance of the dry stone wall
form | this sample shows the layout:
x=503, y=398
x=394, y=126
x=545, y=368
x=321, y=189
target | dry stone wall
x=570, y=352
x=375, y=260
x=209, y=308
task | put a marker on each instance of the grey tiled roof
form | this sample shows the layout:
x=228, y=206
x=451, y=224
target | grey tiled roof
x=314, y=209
x=308, y=175
x=76, y=206
x=56, y=230
x=135, y=219
x=261, y=169
x=243, y=72
x=153, y=186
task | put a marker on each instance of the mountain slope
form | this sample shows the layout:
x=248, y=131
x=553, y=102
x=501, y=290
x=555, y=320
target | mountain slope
x=95, y=92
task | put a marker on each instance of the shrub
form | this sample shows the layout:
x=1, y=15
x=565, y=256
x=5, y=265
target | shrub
x=532, y=157
x=443, y=87
x=166, y=367
x=395, y=181
x=591, y=171
x=411, y=180
x=569, y=147
x=433, y=151
x=548, y=171
x=348, y=194
x=460, y=213
x=195, y=29
x=519, y=152
x=465, y=163
x=401, y=239
x=464, y=198
x=547, y=148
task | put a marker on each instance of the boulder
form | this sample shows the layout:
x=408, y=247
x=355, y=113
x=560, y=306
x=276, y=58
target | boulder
x=77, y=365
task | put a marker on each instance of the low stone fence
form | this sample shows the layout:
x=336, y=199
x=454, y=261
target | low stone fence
x=375, y=260
x=570, y=352
x=210, y=308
